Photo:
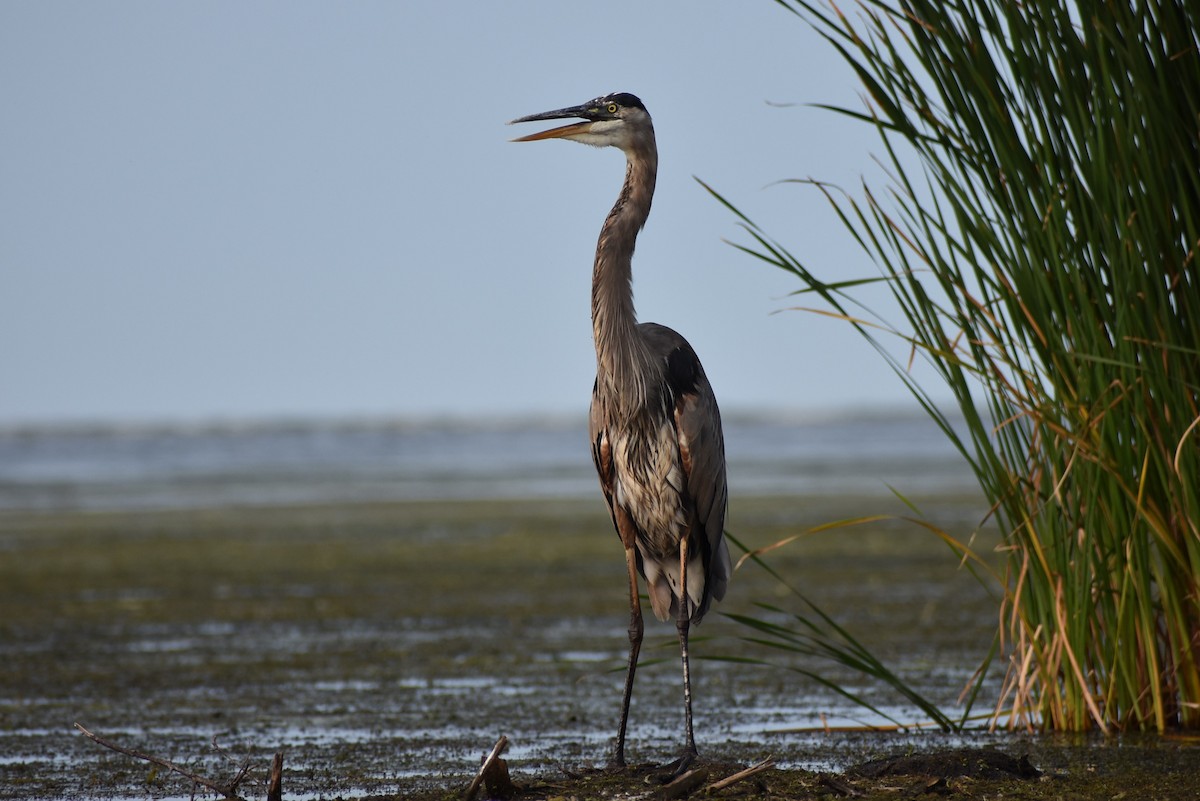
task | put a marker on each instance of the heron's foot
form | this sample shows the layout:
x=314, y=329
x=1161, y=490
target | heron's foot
x=673, y=770
x=616, y=763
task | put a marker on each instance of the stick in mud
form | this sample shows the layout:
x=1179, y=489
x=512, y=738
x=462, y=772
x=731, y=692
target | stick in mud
x=497, y=750
x=275, y=787
x=741, y=775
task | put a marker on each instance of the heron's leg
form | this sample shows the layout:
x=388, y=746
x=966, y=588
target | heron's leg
x=635, y=646
x=683, y=621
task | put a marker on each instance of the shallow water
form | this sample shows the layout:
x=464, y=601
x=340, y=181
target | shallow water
x=386, y=646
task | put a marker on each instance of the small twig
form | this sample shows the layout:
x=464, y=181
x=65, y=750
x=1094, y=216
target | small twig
x=741, y=775
x=243, y=766
x=229, y=791
x=838, y=786
x=497, y=750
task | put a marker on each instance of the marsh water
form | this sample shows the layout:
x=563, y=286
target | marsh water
x=381, y=601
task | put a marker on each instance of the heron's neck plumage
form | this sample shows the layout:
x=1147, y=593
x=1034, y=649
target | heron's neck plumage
x=621, y=354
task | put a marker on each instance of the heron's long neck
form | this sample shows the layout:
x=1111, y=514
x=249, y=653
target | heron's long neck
x=620, y=352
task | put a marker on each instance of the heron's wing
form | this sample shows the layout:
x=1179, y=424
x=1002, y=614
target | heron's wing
x=702, y=458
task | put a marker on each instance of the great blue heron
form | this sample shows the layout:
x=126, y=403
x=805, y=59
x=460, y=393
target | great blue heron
x=655, y=428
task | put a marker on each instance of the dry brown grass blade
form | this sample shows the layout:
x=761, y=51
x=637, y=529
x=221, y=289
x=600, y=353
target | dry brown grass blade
x=808, y=532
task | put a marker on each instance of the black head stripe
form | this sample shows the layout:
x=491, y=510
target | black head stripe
x=622, y=99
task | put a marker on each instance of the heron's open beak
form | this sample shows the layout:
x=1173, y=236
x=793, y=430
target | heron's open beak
x=565, y=131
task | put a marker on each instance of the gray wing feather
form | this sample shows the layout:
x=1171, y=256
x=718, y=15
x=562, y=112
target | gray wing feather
x=702, y=453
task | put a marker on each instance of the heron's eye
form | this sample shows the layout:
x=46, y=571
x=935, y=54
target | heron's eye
x=612, y=108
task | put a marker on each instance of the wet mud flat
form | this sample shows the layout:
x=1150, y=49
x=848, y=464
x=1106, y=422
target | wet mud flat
x=384, y=649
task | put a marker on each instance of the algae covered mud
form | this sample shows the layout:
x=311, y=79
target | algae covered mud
x=385, y=644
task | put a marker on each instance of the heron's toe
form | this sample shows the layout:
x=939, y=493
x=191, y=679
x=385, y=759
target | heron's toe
x=615, y=764
x=673, y=770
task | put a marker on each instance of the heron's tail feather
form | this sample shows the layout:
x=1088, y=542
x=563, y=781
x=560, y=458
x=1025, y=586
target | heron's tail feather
x=662, y=583
x=662, y=598
x=722, y=569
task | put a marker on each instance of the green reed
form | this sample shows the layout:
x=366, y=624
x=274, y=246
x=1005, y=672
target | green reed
x=811, y=632
x=1039, y=234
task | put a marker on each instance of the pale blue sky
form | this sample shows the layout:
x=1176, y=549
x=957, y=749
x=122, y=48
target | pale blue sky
x=251, y=210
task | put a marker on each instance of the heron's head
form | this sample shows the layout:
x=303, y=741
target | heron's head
x=616, y=120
